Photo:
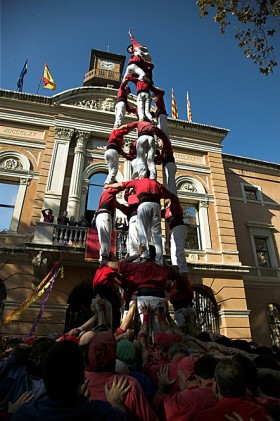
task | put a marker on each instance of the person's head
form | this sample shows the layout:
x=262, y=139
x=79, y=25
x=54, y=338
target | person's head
x=35, y=358
x=229, y=380
x=130, y=49
x=203, y=337
x=242, y=345
x=204, y=369
x=102, y=352
x=250, y=372
x=126, y=353
x=266, y=361
x=63, y=370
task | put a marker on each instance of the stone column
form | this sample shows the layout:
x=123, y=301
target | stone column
x=57, y=169
x=75, y=190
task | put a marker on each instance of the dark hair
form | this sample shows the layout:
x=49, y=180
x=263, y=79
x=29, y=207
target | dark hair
x=129, y=48
x=266, y=361
x=230, y=379
x=250, y=372
x=223, y=340
x=63, y=370
x=269, y=385
x=205, y=366
x=39, y=349
x=203, y=336
x=242, y=345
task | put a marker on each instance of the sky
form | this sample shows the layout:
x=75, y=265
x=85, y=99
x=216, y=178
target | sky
x=225, y=89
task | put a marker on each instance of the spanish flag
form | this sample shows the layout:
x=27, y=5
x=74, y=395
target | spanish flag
x=174, y=110
x=47, y=79
x=189, y=110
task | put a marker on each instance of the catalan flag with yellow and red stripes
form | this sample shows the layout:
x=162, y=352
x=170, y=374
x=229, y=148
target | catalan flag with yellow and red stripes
x=174, y=110
x=189, y=110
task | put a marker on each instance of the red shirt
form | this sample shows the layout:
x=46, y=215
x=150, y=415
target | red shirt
x=144, y=274
x=104, y=276
x=146, y=186
x=135, y=402
x=174, y=213
x=183, y=406
x=246, y=410
x=116, y=137
x=181, y=294
x=122, y=97
x=108, y=199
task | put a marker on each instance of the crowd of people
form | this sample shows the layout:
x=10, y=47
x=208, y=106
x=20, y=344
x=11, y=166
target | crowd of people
x=132, y=360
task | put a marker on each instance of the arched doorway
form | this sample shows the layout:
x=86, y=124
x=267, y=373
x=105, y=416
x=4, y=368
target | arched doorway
x=79, y=302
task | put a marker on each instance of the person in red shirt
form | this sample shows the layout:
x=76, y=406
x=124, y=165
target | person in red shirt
x=173, y=214
x=100, y=370
x=149, y=193
x=230, y=391
x=48, y=217
x=104, y=221
x=130, y=212
x=113, y=150
x=168, y=164
x=144, y=99
x=145, y=146
x=186, y=404
x=122, y=105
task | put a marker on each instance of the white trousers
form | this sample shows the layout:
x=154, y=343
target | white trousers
x=133, y=239
x=133, y=68
x=146, y=148
x=149, y=225
x=112, y=161
x=104, y=230
x=162, y=123
x=152, y=302
x=134, y=169
x=144, y=101
x=169, y=173
x=178, y=237
x=120, y=110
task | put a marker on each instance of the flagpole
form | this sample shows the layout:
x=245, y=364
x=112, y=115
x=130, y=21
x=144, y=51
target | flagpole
x=40, y=80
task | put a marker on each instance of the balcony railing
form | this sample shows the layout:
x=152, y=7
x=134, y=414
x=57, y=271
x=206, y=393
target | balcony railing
x=51, y=234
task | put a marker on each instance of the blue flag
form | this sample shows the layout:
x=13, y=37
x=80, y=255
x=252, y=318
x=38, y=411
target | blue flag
x=21, y=76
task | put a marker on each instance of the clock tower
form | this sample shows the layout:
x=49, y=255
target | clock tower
x=105, y=69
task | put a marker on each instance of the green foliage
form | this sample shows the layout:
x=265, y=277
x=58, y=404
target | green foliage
x=253, y=31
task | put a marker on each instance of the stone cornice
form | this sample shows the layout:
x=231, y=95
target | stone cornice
x=250, y=162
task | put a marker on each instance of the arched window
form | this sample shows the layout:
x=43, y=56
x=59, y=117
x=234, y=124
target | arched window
x=206, y=310
x=273, y=312
x=194, y=201
x=95, y=188
x=14, y=178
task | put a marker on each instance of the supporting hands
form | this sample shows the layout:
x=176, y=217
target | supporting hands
x=163, y=378
x=118, y=391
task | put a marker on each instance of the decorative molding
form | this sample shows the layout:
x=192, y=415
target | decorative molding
x=98, y=103
x=234, y=313
x=63, y=133
x=12, y=164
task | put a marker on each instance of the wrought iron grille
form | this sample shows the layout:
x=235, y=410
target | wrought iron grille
x=207, y=311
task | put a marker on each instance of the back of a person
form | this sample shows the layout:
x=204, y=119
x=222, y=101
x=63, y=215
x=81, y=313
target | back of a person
x=235, y=409
x=74, y=409
x=135, y=402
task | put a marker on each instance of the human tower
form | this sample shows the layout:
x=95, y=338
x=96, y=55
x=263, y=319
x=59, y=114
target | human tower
x=143, y=194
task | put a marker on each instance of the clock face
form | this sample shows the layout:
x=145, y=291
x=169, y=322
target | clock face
x=108, y=65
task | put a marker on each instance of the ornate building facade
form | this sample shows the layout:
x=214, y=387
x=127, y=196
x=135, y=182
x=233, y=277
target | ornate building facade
x=52, y=156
